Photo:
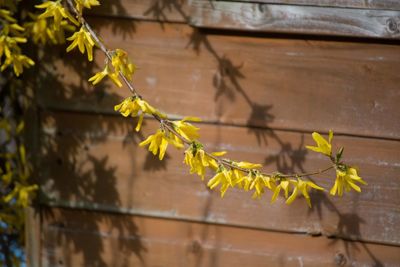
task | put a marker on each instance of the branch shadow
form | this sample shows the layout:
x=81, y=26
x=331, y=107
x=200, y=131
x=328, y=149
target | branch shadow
x=347, y=230
x=290, y=158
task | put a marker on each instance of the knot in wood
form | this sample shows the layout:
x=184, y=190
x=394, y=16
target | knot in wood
x=392, y=25
x=340, y=259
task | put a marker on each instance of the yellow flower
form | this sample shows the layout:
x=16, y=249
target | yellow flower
x=323, y=146
x=21, y=194
x=83, y=40
x=197, y=159
x=302, y=187
x=345, y=180
x=159, y=143
x=80, y=4
x=284, y=184
x=42, y=32
x=18, y=62
x=95, y=79
x=237, y=178
x=6, y=15
x=223, y=177
x=259, y=182
x=186, y=129
x=55, y=10
x=121, y=63
x=134, y=106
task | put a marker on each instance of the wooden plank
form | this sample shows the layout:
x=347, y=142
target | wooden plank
x=79, y=238
x=32, y=237
x=295, y=19
x=370, y=4
x=94, y=162
x=304, y=85
x=156, y=10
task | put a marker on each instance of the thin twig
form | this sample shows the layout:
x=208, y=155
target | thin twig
x=101, y=45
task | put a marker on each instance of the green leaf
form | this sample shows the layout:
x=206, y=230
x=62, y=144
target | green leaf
x=339, y=154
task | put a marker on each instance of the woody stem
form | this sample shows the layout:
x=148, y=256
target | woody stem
x=167, y=123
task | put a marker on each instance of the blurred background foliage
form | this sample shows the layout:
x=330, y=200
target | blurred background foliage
x=16, y=97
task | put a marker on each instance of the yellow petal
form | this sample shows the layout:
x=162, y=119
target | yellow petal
x=139, y=124
x=115, y=79
x=163, y=148
x=195, y=119
x=218, y=153
x=276, y=193
x=334, y=188
x=292, y=196
x=248, y=165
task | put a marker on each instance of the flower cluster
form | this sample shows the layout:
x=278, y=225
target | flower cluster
x=122, y=64
x=135, y=106
x=84, y=41
x=43, y=30
x=80, y=4
x=56, y=11
x=346, y=176
x=106, y=72
x=186, y=129
x=11, y=36
x=159, y=141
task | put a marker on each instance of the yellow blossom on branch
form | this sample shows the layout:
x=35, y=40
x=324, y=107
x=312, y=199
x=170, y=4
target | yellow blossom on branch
x=18, y=62
x=197, y=159
x=346, y=178
x=121, y=63
x=259, y=182
x=186, y=129
x=6, y=15
x=283, y=184
x=158, y=143
x=83, y=40
x=223, y=177
x=95, y=79
x=80, y=4
x=323, y=146
x=135, y=106
x=21, y=194
x=41, y=31
x=302, y=187
x=54, y=9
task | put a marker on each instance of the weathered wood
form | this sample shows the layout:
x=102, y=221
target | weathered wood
x=32, y=237
x=306, y=85
x=370, y=4
x=78, y=238
x=157, y=10
x=287, y=84
x=94, y=162
x=295, y=19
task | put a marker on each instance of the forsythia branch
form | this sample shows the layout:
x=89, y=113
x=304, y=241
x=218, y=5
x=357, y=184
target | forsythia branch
x=50, y=25
x=228, y=173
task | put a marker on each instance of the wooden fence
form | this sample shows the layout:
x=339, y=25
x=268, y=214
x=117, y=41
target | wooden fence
x=262, y=75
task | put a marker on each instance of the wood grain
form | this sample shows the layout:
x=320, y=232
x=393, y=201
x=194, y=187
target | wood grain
x=370, y=4
x=156, y=10
x=93, y=162
x=79, y=238
x=295, y=19
x=304, y=85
